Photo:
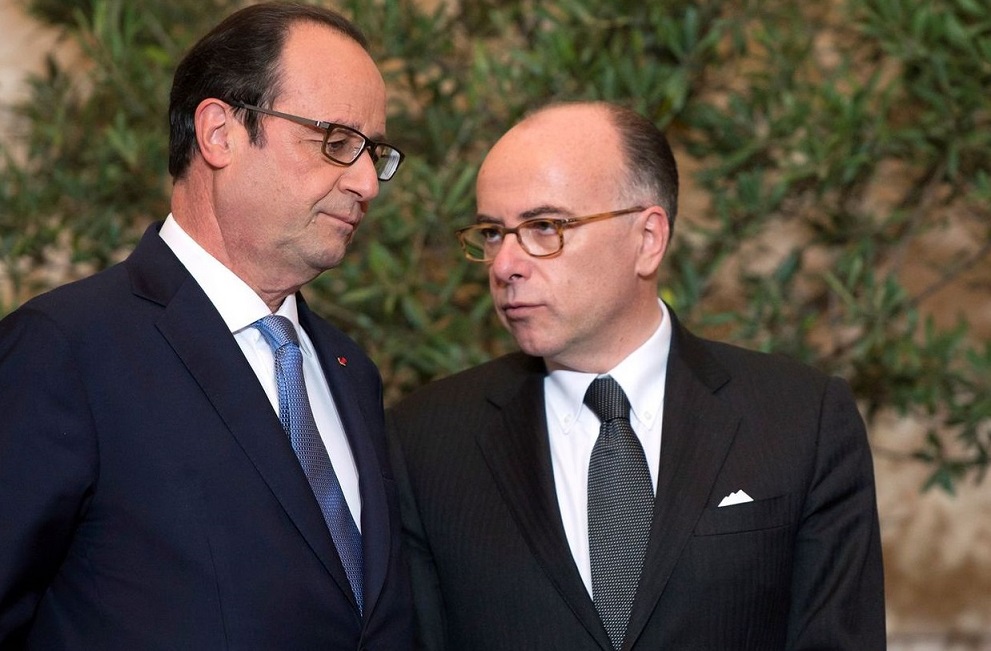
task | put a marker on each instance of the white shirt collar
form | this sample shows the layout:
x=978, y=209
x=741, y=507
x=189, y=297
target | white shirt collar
x=237, y=303
x=642, y=375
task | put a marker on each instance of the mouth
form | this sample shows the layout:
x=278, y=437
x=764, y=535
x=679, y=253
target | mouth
x=351, y=220
x=518, y=310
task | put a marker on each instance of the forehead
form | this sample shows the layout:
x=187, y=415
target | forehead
x=568, y=157
x=327, y=76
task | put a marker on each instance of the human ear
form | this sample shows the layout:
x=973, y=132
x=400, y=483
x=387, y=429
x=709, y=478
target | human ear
x=213, y=124
x=655, y=234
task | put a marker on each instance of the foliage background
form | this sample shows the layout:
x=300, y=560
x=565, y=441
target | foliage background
x=835, y=206
x=835, y=157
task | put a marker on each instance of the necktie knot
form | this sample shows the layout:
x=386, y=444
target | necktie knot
x=607, y=400
x=277, y=331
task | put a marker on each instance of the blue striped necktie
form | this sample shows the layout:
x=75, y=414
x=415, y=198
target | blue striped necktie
x=297, y=419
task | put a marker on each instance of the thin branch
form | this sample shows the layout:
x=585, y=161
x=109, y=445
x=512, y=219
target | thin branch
x=951, y=275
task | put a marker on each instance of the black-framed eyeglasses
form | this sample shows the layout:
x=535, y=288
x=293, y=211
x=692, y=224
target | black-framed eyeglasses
x=343, y=145
x=540, y=237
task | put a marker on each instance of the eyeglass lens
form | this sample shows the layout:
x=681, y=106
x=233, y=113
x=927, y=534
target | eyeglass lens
x=344, y=146
x=540, y=237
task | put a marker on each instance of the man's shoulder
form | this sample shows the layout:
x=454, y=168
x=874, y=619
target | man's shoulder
x=78, y=298
x=736, y=356
x=767, y=373
x=149, y=265
x=474, y=383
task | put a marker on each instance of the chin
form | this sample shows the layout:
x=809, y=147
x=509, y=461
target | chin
x=534, y=348
x=329, y=258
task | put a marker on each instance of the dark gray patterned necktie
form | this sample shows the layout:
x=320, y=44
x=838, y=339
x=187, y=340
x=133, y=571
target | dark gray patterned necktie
x=620, y=507
x=297, y=419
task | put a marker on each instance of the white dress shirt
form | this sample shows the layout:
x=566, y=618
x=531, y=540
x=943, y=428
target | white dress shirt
x=573, y=429
x=240, y=307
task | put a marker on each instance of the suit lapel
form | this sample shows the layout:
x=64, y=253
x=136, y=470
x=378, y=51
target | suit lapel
x=518, y=455
x=698, y=430
x=201, y=340
x=375, y=528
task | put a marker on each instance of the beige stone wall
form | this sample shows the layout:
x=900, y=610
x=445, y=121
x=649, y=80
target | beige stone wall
x=23, y=45
x=937, y=547
x=937, y=551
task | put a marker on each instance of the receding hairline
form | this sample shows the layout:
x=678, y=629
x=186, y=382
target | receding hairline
x=628, y=127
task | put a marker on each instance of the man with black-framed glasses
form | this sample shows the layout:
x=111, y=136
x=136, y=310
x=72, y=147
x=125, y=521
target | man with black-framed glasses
x=343, y=145
x=190, y=458
x=621, y=483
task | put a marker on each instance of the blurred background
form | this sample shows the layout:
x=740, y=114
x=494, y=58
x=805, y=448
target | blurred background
x=835, y=204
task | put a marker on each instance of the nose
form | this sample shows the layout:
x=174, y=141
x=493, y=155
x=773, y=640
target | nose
x=510, y=260
x=361, y=178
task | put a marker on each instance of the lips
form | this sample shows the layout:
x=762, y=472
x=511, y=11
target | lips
x=518, y=309
x=347, y=219
x=348, y=223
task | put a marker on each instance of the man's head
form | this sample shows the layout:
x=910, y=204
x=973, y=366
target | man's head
x=239, y=60
x=592, y=303
x=258, y=183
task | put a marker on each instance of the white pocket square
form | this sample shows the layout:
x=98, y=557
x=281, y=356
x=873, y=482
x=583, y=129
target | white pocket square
x=739, y=497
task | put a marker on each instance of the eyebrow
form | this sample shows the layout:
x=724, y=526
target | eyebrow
x=532, y=213
x=376, y=137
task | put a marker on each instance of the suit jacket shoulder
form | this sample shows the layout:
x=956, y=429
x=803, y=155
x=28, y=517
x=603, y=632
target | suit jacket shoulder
x=499, y=378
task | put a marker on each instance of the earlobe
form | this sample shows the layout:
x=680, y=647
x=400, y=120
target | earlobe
x=213, y=132
x=655, y=235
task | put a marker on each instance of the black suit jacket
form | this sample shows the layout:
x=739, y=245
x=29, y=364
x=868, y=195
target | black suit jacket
x=797, y=568
x=149, y=496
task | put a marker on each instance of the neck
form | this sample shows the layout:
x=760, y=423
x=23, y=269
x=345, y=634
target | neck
x=192, y=208
x=642, y=325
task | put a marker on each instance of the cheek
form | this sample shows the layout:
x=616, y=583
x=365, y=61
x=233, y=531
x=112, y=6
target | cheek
x=594, y=289
x=303, y=175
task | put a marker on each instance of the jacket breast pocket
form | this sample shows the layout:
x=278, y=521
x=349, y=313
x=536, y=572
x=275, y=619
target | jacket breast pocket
x=750, y=516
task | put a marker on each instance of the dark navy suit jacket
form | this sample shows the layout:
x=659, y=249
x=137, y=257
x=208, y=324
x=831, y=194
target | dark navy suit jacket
x=149, y=497
x=798, y=568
